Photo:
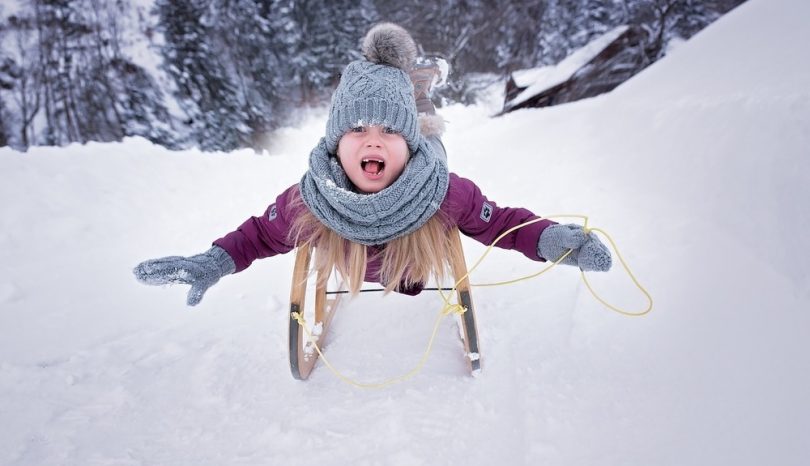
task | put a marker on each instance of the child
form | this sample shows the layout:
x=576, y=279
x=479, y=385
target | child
x=378, y=200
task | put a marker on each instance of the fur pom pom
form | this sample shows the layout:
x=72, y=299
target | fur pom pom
x=390, y=44
x=431, y=125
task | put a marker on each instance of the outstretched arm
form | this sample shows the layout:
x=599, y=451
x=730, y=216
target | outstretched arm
x=256, y=238
x=201, y=271
x=483, y=220
x=266, y=235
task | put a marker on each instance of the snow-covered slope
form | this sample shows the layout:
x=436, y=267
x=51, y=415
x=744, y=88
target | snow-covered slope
x=697, y=167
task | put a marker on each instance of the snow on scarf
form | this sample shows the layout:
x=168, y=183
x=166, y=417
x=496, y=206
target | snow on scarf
x=377, y=218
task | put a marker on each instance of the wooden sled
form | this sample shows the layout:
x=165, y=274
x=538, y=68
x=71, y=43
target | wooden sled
x=303, y=355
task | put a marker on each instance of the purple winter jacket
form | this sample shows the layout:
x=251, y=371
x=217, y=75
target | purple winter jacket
x=464, y=206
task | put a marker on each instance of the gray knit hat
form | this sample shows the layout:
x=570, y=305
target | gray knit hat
x=377, y=90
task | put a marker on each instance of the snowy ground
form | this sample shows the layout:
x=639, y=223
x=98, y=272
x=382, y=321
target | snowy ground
x=698, y=168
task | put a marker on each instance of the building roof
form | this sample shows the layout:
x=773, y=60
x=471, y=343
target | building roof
x=537, y=80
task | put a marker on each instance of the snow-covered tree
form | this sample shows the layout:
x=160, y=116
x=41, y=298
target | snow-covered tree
x=666, y=19
x=241, y=68
x=72, y=71
x=329, y=37
x=206, y=92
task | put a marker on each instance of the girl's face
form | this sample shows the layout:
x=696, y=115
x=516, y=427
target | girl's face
x=373, y=157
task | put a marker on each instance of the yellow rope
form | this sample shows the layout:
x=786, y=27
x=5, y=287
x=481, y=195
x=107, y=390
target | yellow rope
x=552, y=265
x=451, y=308
x=629, y=273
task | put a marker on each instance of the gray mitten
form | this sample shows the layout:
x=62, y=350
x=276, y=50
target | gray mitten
x=587, y=252
x=201, y=271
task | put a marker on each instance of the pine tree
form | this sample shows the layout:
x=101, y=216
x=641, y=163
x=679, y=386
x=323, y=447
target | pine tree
x=664, y=19
x=5, y=125
x=141, y=104
x=246, y=32
x=57, y=31
x=206, y=93
x=24, y=80
x=72, y=67
x=8, y=70
x=134, y=101
x=517, y=35
x=330, y=33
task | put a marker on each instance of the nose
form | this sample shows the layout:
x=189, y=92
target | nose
x=373, y=138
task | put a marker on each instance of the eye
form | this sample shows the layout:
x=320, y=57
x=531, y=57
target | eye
x=358, y=129
x=389, y=130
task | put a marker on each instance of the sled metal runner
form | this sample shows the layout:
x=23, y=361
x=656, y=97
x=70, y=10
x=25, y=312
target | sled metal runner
x=303, y=355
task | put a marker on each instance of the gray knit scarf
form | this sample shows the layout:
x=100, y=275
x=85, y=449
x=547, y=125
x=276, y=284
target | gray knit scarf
x=373, y=219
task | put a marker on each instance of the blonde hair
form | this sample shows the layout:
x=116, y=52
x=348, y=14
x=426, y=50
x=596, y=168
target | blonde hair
x=406, y=261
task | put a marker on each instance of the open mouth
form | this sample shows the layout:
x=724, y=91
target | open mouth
x=372, y=165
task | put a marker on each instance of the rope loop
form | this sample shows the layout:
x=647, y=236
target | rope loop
x=457, y=309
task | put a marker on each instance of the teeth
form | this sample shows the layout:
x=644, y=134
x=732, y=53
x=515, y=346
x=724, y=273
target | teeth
x=380, y=164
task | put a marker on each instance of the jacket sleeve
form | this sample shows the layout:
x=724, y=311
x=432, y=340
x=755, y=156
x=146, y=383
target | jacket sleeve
x=265, y=236
x=483, y=220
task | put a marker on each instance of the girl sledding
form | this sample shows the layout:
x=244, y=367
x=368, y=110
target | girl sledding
x=378, y=203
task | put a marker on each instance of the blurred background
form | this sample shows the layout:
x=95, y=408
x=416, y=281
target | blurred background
x=223, y=74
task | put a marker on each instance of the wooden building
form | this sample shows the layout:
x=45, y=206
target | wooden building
x=599, y=67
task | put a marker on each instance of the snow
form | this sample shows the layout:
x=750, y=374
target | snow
x=538, y=80
x=10, y=7
x=143, y=49
x=697, y=167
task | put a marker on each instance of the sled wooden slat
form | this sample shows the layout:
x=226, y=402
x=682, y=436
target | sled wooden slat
x=468, y=323
x=302, y=353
